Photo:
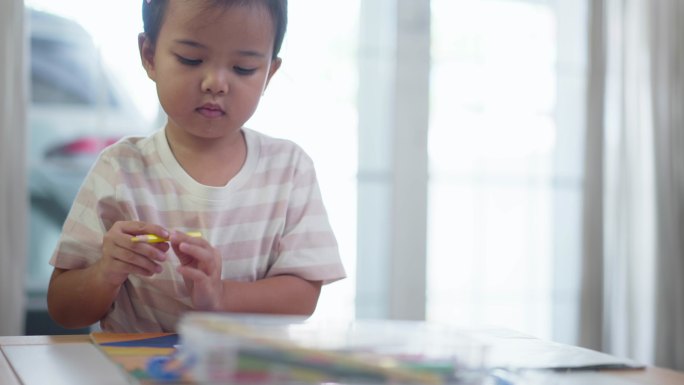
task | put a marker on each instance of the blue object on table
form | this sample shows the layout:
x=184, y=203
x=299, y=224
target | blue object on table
x=168, y=341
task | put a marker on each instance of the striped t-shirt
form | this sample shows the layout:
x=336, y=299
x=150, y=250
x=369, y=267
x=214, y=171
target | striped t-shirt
x=268, y=220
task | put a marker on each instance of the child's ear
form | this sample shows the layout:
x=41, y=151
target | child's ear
x=275, y=64
x=146, y=49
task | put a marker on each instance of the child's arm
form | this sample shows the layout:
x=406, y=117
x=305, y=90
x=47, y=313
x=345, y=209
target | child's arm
x=284, y=294
x=81, y=297
x=201, y=271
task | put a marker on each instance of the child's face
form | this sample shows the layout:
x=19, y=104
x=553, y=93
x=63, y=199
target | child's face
x=211, y=66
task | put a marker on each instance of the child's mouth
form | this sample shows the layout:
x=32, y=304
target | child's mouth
x=210, y=111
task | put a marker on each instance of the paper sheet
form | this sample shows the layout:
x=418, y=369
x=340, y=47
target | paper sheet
x=64, y=364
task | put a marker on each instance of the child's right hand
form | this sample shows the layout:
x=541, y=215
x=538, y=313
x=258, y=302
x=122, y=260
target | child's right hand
x=121, y=256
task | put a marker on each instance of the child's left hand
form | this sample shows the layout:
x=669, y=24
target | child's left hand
x=201, y=270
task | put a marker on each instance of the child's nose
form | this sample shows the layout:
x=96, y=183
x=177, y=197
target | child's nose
x=215, y=82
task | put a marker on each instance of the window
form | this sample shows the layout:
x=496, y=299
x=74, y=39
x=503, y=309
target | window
x=497, y=147
x=505, y=170
x=503, y=162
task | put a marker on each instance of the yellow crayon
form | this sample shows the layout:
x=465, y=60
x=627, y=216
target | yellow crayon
x=151, y=238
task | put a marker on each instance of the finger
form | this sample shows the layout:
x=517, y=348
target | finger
x=136, y=270
x=124, y=241
x=162, y=247
x=153, y=251
x=182, y=257
x=135, y=227
x=126, y=233
x=195, y=275
x=117, y=267
x=144, y=228
x=204, y=257
x=198, y=252
x=185, y=258
x=187, y=255
x=137, y=260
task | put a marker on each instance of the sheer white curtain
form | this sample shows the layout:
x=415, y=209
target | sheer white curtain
x=632, y=292
x=13, y=198
x=668, y=77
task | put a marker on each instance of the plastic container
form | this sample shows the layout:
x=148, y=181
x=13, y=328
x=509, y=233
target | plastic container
x=261, y=349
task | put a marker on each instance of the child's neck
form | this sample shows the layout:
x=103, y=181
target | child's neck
x=210, y=162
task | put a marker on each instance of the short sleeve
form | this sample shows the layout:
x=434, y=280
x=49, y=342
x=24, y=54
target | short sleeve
x=93, y=212
x=307, y=247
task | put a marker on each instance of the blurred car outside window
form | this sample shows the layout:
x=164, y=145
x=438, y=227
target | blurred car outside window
x=78, y=107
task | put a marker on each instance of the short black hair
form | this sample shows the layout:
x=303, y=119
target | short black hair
x=153, y=12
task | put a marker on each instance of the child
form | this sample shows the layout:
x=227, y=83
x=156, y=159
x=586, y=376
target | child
x=266, y=245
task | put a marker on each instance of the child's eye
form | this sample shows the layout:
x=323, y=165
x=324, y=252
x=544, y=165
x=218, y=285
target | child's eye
x=244, y=71
x=187, y=61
